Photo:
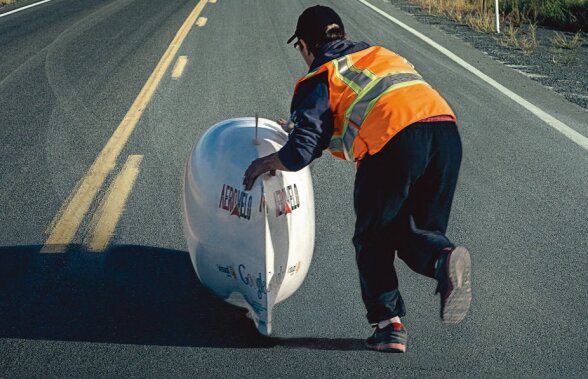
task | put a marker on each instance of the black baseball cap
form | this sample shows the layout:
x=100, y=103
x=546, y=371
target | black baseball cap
x=313, y=22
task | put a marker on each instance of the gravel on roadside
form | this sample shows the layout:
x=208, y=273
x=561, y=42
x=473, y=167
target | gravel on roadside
x=563, y=71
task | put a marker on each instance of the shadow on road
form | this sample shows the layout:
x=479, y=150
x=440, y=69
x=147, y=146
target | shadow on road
x=128, y=295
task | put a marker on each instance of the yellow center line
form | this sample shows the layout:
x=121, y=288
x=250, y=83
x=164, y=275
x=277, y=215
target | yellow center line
x=111, y=207
x=179, y=67
x=67, y=221
x=201, y=21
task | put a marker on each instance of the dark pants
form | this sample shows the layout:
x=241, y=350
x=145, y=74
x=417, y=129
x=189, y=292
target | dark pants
x=402, y=201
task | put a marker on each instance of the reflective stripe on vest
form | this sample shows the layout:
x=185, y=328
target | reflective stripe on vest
x=355, y=78
x=368, y=94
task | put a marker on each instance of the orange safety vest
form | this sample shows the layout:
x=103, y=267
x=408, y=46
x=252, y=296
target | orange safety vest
x=373, y=95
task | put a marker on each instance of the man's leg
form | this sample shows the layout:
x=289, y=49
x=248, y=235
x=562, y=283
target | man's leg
x=382, y=185
x=424, y=247
x=374, y=253
x=426, y=214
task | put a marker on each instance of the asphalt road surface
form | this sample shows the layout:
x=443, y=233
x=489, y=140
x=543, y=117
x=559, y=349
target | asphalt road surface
x=70, y=72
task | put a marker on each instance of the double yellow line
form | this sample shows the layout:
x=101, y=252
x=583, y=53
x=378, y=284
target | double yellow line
x=67, y=221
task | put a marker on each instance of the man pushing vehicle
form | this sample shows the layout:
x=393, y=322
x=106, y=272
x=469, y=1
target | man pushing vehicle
x=368, y=105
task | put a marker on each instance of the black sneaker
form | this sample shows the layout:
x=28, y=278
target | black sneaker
x=453, y=274
x=391, y=339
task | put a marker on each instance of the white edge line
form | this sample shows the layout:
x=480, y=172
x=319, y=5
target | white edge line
x=23, y=8
x=546, y=117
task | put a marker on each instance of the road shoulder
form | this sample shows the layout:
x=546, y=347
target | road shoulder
x=549, y=101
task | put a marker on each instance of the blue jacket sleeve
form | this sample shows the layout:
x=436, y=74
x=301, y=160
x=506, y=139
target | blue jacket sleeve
x=313, y=124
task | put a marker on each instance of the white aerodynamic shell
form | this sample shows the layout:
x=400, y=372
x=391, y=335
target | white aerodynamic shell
x=252, y=249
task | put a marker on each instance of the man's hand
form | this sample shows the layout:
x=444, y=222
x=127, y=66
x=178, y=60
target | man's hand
x=286, y=125
x=259, y=166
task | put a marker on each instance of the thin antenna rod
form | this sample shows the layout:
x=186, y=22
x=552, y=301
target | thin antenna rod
x=256, y=141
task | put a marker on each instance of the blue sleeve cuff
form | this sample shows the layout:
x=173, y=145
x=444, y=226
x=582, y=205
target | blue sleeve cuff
x=289, y=159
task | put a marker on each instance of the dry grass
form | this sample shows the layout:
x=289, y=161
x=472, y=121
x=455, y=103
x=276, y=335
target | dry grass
x=564, y=49
x=461, y=11
x=520, y=24
x=524, y=39
x=4, y=2
x=446, y=7
x=519, y=20
x=519, y=17
x=567, y=14
x=482, y=22
x=456, y=16
x=560, y=41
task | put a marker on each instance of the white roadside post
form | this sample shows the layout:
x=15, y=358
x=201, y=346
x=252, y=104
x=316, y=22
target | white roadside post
x=497, y=17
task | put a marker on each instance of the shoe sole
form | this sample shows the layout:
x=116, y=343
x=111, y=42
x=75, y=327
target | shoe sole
x=458, y=302
x=388, y=347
